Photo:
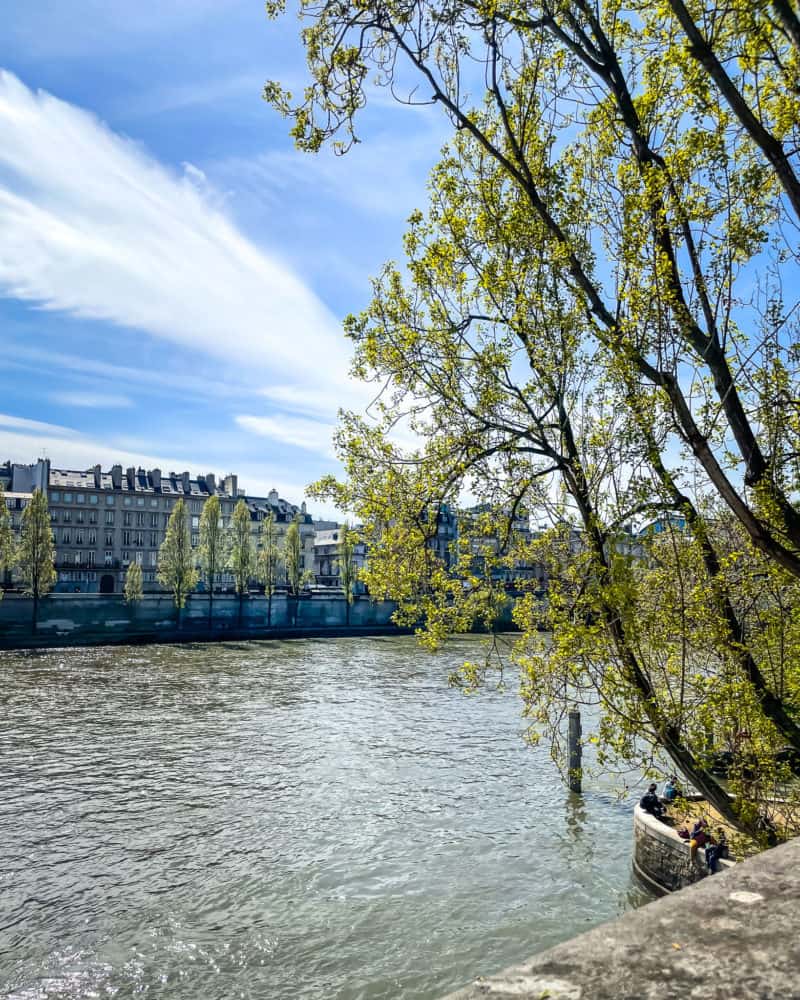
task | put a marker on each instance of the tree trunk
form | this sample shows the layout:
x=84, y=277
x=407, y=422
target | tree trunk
x=35, y=612
x=347, y=613
x=211, y=607
x=269, y=610
x=241, y=598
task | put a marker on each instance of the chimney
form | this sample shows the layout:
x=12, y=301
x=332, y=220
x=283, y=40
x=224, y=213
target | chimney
x=273, y=496
x=97, y=480
x=155, y=479
x=131, y=475
x=232, y=485
x=211, y=483
x=116, y=477
x=187, y=482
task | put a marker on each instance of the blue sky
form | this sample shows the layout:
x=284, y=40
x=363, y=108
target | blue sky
x=172, y=272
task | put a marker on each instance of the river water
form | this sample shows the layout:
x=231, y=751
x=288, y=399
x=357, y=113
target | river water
x=315, y=819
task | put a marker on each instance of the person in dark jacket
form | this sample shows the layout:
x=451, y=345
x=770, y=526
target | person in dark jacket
x=651, y=803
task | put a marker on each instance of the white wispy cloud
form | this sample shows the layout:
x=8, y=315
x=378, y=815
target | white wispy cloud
x=312, y=435
x=95, y=227
x=92, y=400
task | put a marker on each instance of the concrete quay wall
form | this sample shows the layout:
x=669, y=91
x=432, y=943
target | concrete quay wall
x=83, y=619
x=733, y=936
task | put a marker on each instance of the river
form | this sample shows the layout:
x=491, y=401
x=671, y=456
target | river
x=308, y=819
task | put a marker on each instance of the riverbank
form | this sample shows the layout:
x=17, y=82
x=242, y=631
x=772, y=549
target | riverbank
x=106, y=620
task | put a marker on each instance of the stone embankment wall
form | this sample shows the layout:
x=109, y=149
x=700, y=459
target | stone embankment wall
x=734, y=936
x=83, y=619
x=661, y=858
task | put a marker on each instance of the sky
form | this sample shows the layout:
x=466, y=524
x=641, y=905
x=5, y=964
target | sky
x=173, y=273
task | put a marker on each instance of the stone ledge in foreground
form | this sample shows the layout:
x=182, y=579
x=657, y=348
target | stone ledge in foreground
x=733, y=936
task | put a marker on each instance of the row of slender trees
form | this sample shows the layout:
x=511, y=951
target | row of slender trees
x=222, y=549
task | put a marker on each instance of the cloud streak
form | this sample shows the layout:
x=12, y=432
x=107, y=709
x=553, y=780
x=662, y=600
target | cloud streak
x=95, y=227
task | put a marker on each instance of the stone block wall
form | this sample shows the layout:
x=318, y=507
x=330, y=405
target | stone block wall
x=661, y=857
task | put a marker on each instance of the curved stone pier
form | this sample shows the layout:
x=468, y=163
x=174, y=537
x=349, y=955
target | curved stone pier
x=661, y=858
x=734, y=936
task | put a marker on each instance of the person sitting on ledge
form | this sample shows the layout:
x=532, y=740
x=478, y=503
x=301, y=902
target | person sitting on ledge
x=698, y=838
x=717, y=849
x=671, y=789
x=651, y=803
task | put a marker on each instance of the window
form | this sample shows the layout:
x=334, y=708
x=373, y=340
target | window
x=154, y=502
x=92, y=517
x=67, y=516
x=79, y=537
x=127, y=501
x=80, y=498
x=153, y=558
x=140, y=501
x=79, y=517
x=195, y=523
x=67, y=498
x=66, y=537
x=195, y=539
x=154, y=520
x=139, y=539
x=196, y=506
x=110, y=539
x=78, y=557
x=126, y=558
x=55, y=496
x=109, y=517
x=109, y=500
x=92, y=538
x=140, y=520
x=108, y=557
x=126, y=537
x=93, y=498
x=53, y=517
x=90, y=558
x=139, y=557
x=153, y=539
x=127, y=519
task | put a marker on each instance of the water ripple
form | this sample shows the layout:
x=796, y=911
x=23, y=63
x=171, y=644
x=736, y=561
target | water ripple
x=310, y=819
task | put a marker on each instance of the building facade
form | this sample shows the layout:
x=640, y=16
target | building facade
x=104, y=521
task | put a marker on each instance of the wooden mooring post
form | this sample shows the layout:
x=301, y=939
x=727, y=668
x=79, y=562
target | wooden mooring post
x=574, y=750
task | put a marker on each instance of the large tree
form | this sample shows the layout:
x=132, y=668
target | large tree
x=176, y=558
x=36, y=555
x=212, y=547
x=599, y=294
x=241, y=557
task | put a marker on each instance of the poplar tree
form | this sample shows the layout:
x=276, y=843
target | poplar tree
x=176, y=562
x=241, y=558
x=134, y=589
x=6, y=537
x=212, y=547
x=293, y=556
x=268, y=560
x=36, y=555
x=347, y=568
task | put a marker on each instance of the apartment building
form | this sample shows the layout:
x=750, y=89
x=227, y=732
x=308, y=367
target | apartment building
x=104, y=521
x=327, y=555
